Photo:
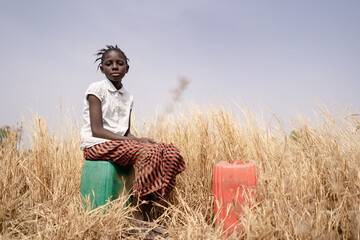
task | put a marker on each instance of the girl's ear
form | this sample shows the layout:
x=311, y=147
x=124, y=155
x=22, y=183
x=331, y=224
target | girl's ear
x=127, y=68
x=101, y=69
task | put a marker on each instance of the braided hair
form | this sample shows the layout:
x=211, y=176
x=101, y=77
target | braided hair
x=102, y=52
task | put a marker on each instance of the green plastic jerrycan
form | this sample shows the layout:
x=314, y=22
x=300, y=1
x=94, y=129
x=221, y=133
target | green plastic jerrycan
x=103, y=181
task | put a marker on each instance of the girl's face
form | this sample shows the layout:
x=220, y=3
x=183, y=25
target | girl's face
x=114, y=67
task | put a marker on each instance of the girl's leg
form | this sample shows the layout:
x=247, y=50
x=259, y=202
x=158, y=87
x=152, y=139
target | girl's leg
x=120, y=152
x=173, y=164
x=143, y=208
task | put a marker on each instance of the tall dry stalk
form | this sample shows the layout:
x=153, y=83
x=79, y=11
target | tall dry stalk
x=308, y=183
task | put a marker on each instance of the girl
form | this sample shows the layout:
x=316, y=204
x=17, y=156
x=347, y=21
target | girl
x=106, y=134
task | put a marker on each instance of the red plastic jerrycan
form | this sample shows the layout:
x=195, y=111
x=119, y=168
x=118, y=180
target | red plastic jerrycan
x=232, y=184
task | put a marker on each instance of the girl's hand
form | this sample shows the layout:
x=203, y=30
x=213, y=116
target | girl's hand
x=146, y=140
x=142, y=140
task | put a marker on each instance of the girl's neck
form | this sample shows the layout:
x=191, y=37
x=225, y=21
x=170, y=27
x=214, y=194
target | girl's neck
x=116, y=84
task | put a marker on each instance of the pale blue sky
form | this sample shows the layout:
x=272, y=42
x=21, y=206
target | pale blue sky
x=286, y=54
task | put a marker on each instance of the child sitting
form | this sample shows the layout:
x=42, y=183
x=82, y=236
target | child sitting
x=106, y=135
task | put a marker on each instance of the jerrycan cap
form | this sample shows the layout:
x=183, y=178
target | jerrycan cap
x=238, y=161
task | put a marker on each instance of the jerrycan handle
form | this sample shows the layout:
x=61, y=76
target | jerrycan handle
x=238, y=161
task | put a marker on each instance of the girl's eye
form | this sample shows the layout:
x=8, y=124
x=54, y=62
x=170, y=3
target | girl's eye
x=108, y=64
x=121, y=63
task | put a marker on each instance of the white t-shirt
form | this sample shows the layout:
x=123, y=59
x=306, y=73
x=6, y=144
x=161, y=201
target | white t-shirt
x=115, y=105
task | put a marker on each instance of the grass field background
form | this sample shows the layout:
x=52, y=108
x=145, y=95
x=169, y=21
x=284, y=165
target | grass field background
x=308, y=181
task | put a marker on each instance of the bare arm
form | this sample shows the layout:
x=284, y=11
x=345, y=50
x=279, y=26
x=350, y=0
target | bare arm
x=97, y=128
x=128, y=134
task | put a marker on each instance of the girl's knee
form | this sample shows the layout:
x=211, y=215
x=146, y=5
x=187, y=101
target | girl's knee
x=149, y=151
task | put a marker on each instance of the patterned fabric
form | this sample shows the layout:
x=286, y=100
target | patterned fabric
x=156, y=164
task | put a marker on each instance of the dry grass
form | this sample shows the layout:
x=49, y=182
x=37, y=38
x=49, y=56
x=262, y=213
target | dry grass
x=308, y=183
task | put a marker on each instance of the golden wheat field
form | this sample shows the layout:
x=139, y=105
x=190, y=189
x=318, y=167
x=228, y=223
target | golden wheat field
x=308, y=182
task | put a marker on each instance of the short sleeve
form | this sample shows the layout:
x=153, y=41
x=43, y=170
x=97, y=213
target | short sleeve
x=96, y=90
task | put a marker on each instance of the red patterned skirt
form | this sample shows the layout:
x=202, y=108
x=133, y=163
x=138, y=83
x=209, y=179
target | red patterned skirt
x=156, y=164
